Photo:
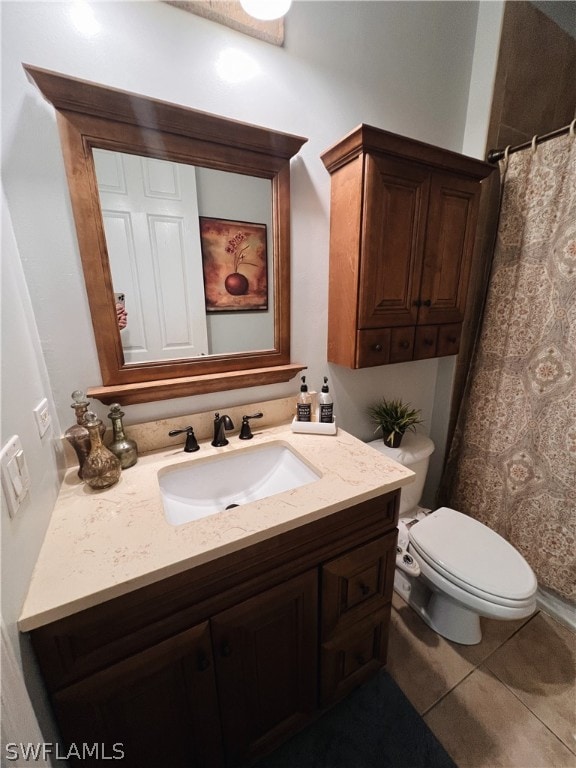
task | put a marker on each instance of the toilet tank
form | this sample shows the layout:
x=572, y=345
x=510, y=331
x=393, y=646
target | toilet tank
x=414, y=453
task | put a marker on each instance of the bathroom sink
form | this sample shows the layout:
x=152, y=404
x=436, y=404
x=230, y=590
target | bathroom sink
x=208, y=486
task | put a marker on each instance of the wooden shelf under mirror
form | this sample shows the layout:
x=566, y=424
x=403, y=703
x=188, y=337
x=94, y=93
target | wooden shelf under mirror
x=240, y=177
x=144, y=392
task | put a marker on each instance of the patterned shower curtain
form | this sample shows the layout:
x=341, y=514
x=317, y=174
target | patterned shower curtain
x=512, y=464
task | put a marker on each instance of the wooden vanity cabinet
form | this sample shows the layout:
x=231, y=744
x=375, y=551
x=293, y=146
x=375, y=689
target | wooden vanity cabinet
x=140, y=708
x=218, y=665
x=402, y=227
x=356, y=595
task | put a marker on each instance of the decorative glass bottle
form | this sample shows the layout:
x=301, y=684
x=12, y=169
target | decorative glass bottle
x=78, y=435
x=101, y=468
x=124, y=448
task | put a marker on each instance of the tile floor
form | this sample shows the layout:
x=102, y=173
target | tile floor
x=509, y=701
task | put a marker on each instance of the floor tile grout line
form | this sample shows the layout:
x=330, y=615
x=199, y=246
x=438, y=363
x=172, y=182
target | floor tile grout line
x=503, y=684
x=475, y=667
x=450, y=690
x=532, y=712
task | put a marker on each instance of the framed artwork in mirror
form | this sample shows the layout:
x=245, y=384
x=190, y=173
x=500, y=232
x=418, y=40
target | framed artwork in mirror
x=234, y=264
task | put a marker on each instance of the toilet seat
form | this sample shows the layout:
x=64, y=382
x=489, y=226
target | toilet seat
x=472, y=557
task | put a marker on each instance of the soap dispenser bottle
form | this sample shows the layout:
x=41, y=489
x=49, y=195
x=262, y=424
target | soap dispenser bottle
x=326, y=404
x=124, y=448
x=304, y=404
x=78, y=435
x=101, y=468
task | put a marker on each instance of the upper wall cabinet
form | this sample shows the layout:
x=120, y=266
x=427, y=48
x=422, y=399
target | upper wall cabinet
x=402, y=227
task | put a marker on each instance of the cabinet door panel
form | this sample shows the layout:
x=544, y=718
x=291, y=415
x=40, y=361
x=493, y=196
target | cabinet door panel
x=449, y=246
x=266, y=658
x=159, y=707
x=392, y=242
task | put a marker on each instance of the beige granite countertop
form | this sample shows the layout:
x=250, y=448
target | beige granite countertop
x=102, y=544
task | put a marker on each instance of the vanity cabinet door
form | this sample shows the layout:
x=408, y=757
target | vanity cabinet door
x=155, y=708
x=266, y=664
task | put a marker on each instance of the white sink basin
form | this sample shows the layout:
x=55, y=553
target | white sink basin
x=207, y=486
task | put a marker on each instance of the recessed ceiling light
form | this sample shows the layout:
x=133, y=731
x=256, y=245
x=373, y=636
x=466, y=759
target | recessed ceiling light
x=266, y=10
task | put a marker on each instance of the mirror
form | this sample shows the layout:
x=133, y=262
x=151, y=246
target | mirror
x=183, y=222
x=190, y=255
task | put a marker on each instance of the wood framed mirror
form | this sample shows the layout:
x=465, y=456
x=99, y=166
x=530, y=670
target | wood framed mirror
x=208, y=335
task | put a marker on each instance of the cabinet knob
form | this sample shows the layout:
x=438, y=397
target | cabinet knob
x=452, y=339
x=427, y=303
x=417, y=303
x=203, y=663
x=377, y=347
x=364, y=588
x=360, y=660
x=404, y=344
x=226, y=650
x=428, y=342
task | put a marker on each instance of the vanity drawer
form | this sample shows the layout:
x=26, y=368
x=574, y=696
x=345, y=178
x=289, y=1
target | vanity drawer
x=372, y=347
x=401, y=344
x=449, y=339
x=426, y=342
x=357, y=584
x=352, y=657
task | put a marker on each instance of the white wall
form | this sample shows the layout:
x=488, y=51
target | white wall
x=402, y=66
x=24, y=383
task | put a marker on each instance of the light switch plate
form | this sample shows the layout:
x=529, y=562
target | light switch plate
x=15, y=475
x=42, y=414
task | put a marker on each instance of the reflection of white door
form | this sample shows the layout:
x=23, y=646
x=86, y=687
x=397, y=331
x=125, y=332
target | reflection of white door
x=150, y=213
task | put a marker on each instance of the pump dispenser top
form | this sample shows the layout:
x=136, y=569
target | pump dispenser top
x=304, y=404
x=325, y=404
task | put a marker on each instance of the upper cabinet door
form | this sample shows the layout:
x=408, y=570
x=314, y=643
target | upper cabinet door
x=449, y=247
x=393, y=239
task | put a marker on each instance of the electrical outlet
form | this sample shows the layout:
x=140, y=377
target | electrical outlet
x=43, y=418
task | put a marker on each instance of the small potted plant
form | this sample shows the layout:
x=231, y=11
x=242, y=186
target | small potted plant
x=394, y=417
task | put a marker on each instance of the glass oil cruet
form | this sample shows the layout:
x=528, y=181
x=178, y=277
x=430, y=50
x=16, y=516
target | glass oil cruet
x=101, y=468
x=124, y=448
x=78, y=435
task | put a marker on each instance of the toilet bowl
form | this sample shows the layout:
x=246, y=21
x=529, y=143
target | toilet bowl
x=461, y=569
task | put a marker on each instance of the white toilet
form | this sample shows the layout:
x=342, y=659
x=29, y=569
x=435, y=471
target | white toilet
x=451, y=568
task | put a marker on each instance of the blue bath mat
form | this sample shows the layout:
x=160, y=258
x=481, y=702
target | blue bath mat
x=374, y=727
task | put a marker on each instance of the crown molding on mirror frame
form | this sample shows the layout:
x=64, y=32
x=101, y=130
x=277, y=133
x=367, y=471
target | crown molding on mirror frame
x=231, y=14
x=90, y=115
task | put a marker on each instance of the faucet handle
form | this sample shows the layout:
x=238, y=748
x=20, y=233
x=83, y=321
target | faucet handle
x=191, y=443
x=245, y=431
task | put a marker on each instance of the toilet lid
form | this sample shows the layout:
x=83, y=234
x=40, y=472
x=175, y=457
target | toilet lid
x=469, y=553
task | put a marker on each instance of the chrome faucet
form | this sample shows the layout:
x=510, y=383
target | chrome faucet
x=221, y=423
